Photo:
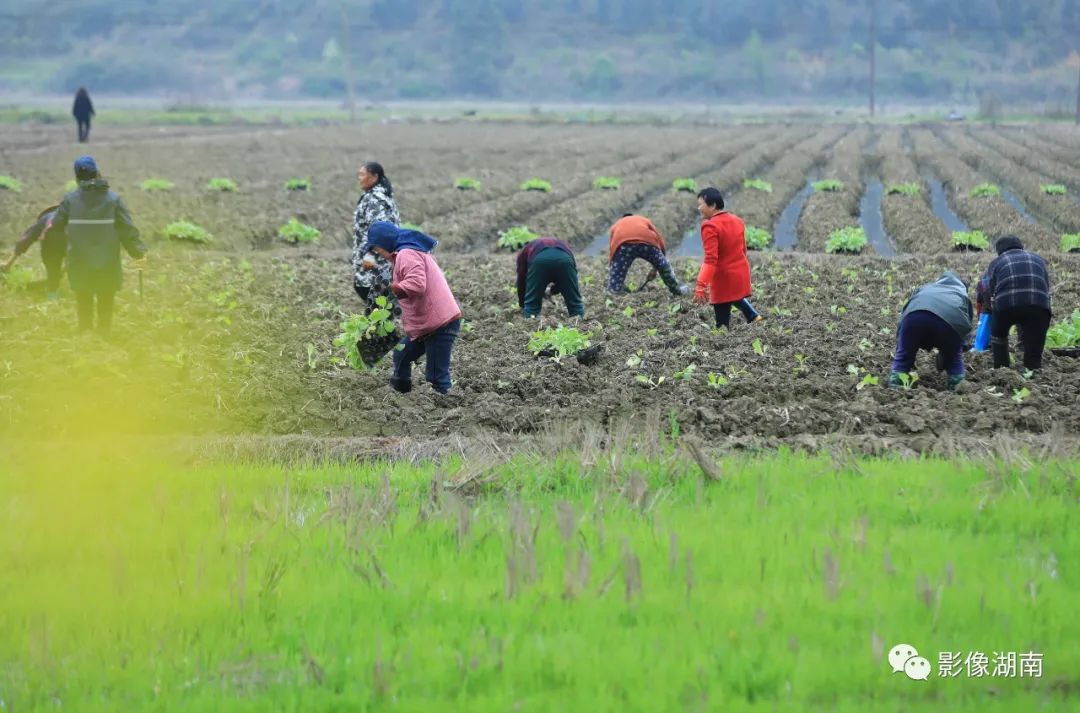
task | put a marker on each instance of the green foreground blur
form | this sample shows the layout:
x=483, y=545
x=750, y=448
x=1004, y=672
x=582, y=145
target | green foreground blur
x=562, y=583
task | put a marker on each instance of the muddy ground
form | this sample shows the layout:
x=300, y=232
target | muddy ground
x=237, y=339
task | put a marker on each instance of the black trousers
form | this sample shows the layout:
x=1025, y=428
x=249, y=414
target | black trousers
x=722, y=311
x=1032, y=324
x=84, y=130
x=85, y=304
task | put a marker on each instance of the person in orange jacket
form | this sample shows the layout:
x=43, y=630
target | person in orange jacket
x=724, y=279
x=633, y=237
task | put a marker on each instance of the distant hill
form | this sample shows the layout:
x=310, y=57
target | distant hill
x=603, y=50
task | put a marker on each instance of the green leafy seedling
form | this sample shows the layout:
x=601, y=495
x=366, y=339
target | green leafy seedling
x=829, y=185
x=359, y=327
x=1019, y=395
x=298, y=233
x=717, y=381
x=985, y=190
x=867, y=380
x=185, y=231
x=157, y=185
x=18, y=278
x=607, y=183
x=686, y=374
x=7, y=183
x=1053, y=189
x=464, y=183
x=688, y=185
x=1070, y=243
x=562, y=341
x=908, y=380
x=1065, y=333
x=850, y=240
x=974, y=241
x=757, y=184
x=757, y=238
x=904, y=189
x=516, y=237
x=298, y=184
x=536, y=184
x=221, y=185
x=759, y=347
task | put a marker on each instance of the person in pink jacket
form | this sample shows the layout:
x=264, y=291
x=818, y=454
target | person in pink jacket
x=429, y=313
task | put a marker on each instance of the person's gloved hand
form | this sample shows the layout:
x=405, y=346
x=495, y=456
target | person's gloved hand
x=700, y=297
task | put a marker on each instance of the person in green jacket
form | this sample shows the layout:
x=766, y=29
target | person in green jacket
x=938, y=316
x=97, y=224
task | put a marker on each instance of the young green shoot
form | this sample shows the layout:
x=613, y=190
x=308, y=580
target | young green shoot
x=296, y=232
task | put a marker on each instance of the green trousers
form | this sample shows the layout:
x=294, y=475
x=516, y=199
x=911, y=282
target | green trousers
x=553, y=266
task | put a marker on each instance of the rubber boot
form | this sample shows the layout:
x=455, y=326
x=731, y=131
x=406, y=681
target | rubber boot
x=400, y=385
x=894, y=380
x=954, y=381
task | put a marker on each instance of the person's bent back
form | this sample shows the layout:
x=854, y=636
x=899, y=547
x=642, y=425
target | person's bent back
x=1018, y=284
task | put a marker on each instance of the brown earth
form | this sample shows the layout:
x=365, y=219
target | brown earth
x=239, y=341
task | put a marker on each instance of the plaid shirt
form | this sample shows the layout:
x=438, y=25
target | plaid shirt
x=1018, y=278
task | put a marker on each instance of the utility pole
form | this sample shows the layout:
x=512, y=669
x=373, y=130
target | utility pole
x=346, y=62
x=873, y=52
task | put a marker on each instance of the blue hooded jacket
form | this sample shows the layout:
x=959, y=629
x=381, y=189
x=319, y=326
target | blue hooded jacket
x=391, y=238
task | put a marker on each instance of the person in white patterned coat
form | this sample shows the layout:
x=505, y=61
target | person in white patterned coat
x=376, y=204
x=371, y=273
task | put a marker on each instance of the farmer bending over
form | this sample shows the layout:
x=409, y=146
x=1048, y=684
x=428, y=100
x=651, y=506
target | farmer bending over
x=1018, y=290
x=724, y=280
x=939, y=315
x=633, y=237
x=543, y=262
x=53, y=247
x=97, y=224
x=429, y=313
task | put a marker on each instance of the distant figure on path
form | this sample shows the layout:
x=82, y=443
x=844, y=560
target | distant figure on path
x=939, y=315
x=543, y=262
x=633, y=237
x=1017, y=287
x=97, y=224
x=430, y=315
x=724, y=280
x=82, y=110
x=53, y=248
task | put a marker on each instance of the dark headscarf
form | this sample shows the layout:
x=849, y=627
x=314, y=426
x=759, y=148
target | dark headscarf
x=391, y=238
x=1008, y=242
x=85, y=168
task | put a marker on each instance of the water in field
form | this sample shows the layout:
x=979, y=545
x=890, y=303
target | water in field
x=691, y=244
x=785, y=236
x=939, y=203
x=1016, y=203
x=598, y=246
x=871, y=220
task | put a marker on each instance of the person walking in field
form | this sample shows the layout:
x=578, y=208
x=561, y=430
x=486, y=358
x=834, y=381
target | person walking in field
x=97, y=224
x=940, y=316
x=82, y=110
x=1016, y=285
x=724, y=279
x=430, y=315
x=547, y=261
x=371, y=273
x=53, y=248
x=633, y=237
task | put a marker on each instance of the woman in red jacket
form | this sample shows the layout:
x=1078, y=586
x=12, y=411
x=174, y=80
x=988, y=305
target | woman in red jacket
x=724, y=280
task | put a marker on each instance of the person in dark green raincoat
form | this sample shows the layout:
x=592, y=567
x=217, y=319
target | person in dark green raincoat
x=97, y=224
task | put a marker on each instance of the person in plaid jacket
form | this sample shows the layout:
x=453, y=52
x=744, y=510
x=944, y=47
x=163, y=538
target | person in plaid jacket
x=1016, y=289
